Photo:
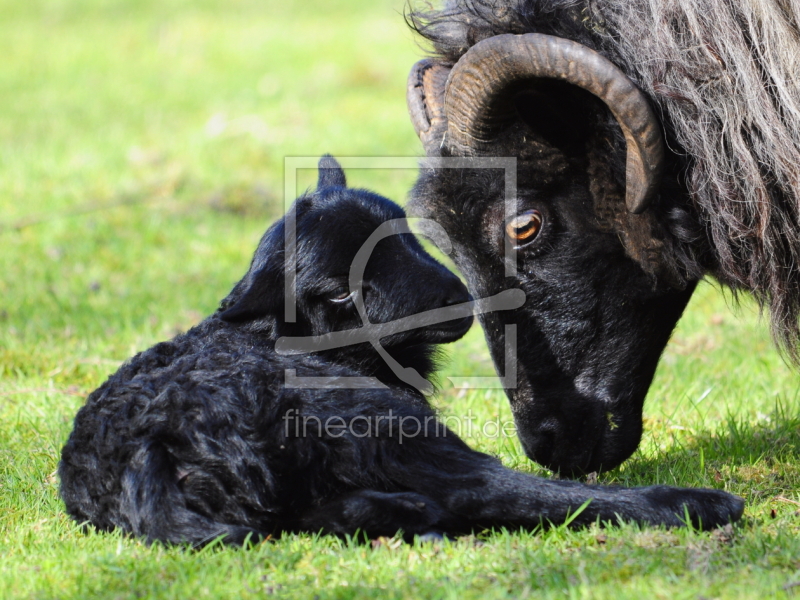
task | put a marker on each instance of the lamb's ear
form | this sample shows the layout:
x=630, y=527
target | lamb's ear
x=330, y=173
x=259, y=294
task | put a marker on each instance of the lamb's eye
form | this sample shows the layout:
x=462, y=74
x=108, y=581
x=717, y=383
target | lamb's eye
x=341, y=295
x=524, y=228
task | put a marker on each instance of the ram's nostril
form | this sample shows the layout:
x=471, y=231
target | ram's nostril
x=543, y=448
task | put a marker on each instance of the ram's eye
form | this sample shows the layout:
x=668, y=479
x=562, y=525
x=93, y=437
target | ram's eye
x=341, y=295
x=524, y=228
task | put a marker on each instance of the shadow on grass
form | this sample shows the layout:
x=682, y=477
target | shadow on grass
x=758, y=460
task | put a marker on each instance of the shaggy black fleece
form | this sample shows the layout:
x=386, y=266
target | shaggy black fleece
x=201, y=437
x=605, y=287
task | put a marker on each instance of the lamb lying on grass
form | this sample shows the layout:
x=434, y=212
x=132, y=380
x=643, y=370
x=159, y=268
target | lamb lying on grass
x=203, y=437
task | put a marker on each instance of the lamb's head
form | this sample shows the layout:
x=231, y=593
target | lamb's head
x=354, y=262
x=582, y=235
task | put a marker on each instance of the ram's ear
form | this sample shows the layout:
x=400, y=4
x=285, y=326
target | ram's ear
x=256, y=296
x=330, y=173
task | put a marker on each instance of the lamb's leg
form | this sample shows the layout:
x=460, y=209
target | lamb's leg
x=478, y=488
x=375, y=514
x=153, y=506
x=512, y=499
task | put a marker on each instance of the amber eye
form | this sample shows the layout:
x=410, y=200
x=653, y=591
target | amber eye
x=523, y=228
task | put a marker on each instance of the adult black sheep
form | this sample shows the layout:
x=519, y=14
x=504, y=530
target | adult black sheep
x=202, y=437
x=610, y=248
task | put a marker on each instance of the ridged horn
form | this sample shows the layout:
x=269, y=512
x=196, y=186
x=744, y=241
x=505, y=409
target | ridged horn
x=479, y=85
x=425, y=97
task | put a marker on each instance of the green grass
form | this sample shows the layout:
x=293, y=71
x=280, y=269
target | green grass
x=141, y=157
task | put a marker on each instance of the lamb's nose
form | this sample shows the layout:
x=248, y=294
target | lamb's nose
x=455, y=293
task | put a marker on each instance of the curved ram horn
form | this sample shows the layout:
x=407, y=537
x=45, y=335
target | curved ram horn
x=425, y=97
x=479, y=85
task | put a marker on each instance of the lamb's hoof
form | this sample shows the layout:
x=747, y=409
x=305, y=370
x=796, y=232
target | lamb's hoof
x=430, y=537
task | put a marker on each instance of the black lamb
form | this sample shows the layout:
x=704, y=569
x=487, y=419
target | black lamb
x=202, y=437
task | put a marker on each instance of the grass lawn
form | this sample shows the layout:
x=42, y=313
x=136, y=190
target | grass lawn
x=142, y=147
